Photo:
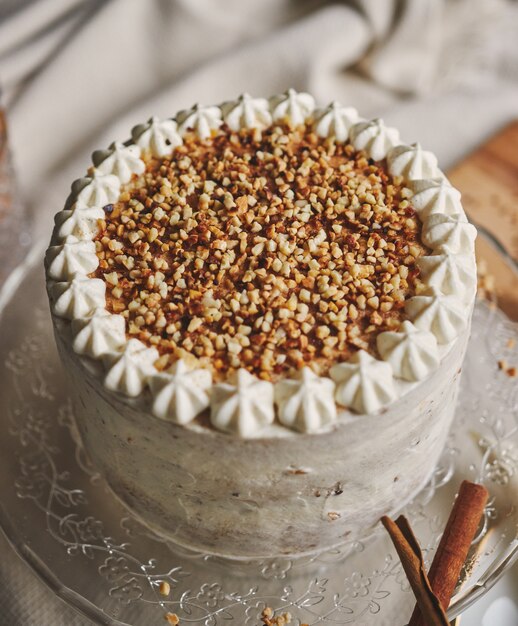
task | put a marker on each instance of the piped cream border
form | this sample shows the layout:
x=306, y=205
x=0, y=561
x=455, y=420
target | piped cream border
x=435, y=318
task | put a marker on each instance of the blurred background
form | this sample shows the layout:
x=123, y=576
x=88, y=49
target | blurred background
x=77, y=74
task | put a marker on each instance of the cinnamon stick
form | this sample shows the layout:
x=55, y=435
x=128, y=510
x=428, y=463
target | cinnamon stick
x=454, y=546
x=411, y=557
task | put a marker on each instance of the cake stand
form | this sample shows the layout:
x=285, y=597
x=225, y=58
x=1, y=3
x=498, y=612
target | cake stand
x=66, y=524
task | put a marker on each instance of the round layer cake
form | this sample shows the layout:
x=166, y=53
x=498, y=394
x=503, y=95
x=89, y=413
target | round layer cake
x=263, y=308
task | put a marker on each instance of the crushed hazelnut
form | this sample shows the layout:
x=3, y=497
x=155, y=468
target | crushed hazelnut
x=165, y=588
x=305, y=243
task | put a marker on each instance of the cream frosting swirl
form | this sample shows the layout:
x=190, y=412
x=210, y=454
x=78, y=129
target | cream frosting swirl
x=96, y=190
x=306, y=403
x=450, y=273
x=120, y=160
x=202, y=119
x=246, y=112
x=158, y=136
x=374, y=137
x=75, y=256
x=412, y=352
x=78, y=298
x=440, y=314
x=412, y=162
x=101, y=334
x=180, y=393
x=435, y=195
x=336, y=121
x=363, y=383
x=243, y=405
x=293, y=106
x=130, y=369
x=452, y=233
x=78, y=222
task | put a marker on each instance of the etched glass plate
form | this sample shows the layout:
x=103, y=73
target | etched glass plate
x=62, y=519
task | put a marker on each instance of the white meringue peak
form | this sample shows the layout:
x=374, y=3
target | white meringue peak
x=201, y=119
x=452, y=274
x=161, y=137
x=412, y=352
x=246, y=112
x=243, y=405
x=412, y=162
x=70, y=258
x=98, y=335
x=120, y=160
x=335, y=121
x=306, y=403
x=81, y=223
x=292, y=106
x=453, y=233
x=435, y=195
x=130, y=369
x=374, y=137
x=96, y=190
x=363, y=383
x=444, y=316
x=180, y=393
x=78, y=298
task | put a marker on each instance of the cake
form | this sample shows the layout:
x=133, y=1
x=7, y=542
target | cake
x=262, y=308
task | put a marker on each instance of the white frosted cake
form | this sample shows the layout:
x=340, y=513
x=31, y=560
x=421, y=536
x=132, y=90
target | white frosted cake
x=263, y=308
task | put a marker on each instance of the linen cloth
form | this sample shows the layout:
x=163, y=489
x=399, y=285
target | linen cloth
x=77, y=74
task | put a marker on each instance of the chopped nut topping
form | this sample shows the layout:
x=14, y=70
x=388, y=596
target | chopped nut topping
x=269, y=619
x=165, y=588
x=267, y=251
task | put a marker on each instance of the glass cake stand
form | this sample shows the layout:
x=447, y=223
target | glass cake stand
x=63, y=520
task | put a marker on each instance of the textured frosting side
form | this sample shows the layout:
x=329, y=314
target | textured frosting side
x=306, y=403
x=180, y=394
x=246, y=404
x=242, y=405
x=374, y=137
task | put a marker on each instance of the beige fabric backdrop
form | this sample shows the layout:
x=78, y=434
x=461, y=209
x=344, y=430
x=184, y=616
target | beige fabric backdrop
x=77, y=74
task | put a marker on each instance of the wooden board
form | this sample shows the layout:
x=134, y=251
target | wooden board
x=488, y=181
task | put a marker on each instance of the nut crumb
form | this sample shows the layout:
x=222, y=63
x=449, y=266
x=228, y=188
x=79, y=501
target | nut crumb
x=269, y=619
x=165, y=588
x=172, y=618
